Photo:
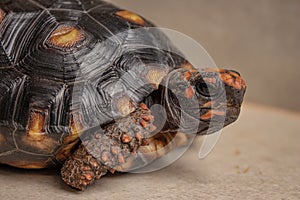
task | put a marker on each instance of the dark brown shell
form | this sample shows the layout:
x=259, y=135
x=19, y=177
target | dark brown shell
x=49, y=86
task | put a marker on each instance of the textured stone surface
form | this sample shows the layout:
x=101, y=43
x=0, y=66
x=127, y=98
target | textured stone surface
x=256, y=158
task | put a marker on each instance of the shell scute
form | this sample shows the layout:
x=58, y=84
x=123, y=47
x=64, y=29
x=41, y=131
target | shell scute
x=58, y=58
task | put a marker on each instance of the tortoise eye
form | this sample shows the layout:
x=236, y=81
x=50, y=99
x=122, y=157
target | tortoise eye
x=207, y=89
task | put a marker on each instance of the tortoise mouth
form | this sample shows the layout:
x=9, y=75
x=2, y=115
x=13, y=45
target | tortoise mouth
x=232, y=114
x=214, y=119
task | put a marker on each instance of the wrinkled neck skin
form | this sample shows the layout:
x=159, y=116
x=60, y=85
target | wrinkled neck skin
x=166, y=110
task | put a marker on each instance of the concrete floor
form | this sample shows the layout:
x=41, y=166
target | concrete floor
x=256, y=158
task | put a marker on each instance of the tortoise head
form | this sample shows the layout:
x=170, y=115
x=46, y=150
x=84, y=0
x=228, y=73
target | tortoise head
x=211, y=97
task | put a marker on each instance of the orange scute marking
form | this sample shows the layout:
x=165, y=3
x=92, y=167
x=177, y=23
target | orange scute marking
x=37, y=137
x=66, y=37
x=155, y=76
x=36, y=125
x=124, y=106
x=2, y=139
x=29, y=165
x=2, y=15
x=132, y=17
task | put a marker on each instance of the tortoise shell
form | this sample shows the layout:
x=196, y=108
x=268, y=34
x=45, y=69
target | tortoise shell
x=54, y=56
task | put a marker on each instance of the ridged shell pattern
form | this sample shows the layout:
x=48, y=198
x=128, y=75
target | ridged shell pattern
x=42, y=86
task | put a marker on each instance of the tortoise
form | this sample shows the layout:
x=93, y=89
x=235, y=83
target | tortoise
x=75, y=96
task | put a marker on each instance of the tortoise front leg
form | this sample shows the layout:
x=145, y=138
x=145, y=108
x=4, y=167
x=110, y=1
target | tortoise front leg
x=115, y=149
x=108, y=149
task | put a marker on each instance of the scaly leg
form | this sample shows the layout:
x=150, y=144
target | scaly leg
x=115, y=148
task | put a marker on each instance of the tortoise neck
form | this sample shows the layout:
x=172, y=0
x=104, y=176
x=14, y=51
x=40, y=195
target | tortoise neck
x=165, y=109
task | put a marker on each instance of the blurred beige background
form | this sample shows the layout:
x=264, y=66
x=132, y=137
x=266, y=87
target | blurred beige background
x=260, y=38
